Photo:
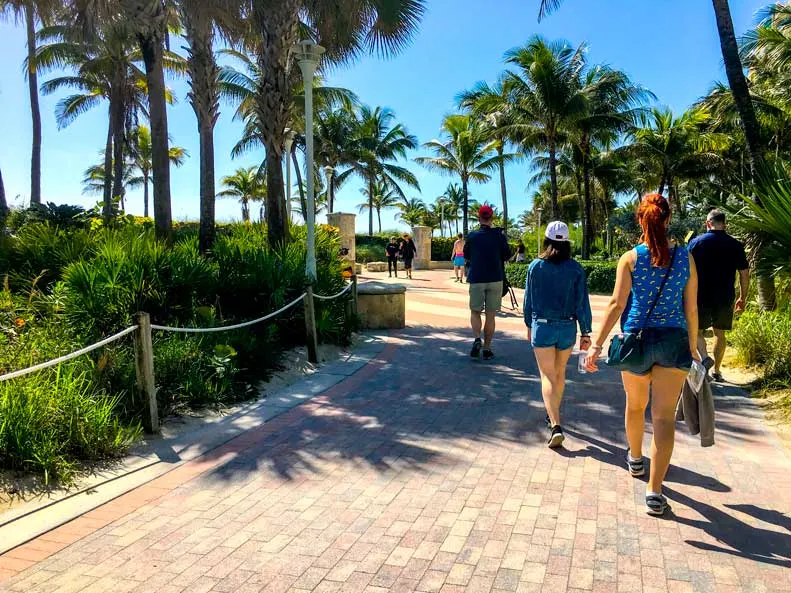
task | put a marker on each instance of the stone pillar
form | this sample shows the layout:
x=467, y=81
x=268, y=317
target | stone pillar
x=422, y=238
x=346, y=224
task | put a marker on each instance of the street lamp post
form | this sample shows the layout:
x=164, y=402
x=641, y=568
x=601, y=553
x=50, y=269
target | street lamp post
x=329, y=171
x=287, y=145
x=441, y=203
x=308, y=55
x=538, y=233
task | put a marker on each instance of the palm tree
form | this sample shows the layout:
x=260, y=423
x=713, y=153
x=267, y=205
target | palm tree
x=384, y=27
x=412, y=211
x=31, y=11
x=95, y=180
x=545, y=94
x=454, y=196
x=246, y=185
x=3, y=203
x=141, y=159
x=467, y=152
x=376, y=141
x=334, y=129
x=384, y=198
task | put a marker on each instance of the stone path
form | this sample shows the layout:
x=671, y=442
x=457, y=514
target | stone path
x=425, y=471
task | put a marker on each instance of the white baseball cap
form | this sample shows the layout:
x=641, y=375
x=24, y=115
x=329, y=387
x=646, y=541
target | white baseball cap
x=557, y=231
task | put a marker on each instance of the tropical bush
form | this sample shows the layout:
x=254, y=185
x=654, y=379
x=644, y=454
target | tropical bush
x=762, y=338
x=369, y=253
x=442, y=248
x=600, y=275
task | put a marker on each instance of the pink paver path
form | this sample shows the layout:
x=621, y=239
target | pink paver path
x=425, y=471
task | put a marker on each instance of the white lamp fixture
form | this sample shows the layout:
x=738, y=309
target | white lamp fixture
x=308, y=55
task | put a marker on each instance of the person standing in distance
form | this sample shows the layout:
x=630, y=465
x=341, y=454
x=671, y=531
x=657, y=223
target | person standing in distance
x=718, y=257
x=556, y=301
x=485, y=249
x=458, y=258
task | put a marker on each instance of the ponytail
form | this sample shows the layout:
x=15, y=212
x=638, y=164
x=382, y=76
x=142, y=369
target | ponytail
x=653, y=214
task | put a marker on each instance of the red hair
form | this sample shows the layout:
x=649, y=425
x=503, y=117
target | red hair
x=653, y=214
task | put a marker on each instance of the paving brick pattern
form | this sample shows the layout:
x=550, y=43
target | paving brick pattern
x=428, y=472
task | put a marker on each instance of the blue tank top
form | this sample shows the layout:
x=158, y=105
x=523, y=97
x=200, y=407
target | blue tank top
x=646, y=280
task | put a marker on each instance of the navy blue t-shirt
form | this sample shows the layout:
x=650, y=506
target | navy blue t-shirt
x=718, y=257
x=486, y=249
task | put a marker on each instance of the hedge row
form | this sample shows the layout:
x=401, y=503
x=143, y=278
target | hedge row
x=601, y=275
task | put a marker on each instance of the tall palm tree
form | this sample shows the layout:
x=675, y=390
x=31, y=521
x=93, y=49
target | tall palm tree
x=545, y=94
x=492, y=105
x=334, y=129
x=381, y=26
x=384, y=198
x=31, y=12
x=412, y=211
x=246, y=185
x=454, y=196
x=467, y=152
x=95, y=180
x=141, y=159
x=376, y=142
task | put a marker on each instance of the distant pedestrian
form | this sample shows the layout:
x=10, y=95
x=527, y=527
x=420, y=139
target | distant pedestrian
x=486, y=249
x=408, y=252
x=556, y=301
x=458, y=258
x=392, y=250
x=662, y=330
x=521, y=252
x=718, y=257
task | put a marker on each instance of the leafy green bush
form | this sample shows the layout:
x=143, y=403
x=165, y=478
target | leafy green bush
x=516, y=274
x=600, y=275
x=442, y=248
x=762, y=338
x=375, y=240
x=369, y=253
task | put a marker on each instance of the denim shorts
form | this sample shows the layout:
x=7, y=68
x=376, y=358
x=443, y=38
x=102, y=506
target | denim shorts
x=553, y=334
x=665, y=347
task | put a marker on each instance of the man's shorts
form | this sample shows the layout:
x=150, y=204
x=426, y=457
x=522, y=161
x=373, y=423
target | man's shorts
x=408, y=264
x=718, y=316
x=486, y=296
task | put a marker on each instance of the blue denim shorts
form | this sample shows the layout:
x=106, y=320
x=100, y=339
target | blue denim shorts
x=553, y=334
x=665, y=347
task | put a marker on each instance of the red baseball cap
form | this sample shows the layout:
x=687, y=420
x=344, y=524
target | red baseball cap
x=486, y=212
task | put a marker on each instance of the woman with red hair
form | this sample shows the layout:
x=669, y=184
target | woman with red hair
x=663, y=284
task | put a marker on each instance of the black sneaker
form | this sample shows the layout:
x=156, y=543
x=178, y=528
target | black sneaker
x=718, y=378
x=636, y=466
x=556, y=437
x=656, y=504
x=476, y=348
x=488, y=354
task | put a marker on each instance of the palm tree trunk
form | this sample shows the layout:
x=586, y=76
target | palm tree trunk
x=738, y=82
x=245, y=210
x=587, y=226
x=503, y=191
x=303, y=201
x=119, y=142
x=3, y=203
x=107, y=194
x=35, y=110
x=379, y=218
x=278, y=25
x=145, y=194
x=553, y=178
x=370, y=208
x=205, y=102
x=465, y=206
x=150, y=22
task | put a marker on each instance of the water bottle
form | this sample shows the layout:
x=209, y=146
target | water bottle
x=582, y=363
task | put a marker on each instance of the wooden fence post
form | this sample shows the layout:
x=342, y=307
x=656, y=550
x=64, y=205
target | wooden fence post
x=354, y=294
x=144, y=367
x=310, y=327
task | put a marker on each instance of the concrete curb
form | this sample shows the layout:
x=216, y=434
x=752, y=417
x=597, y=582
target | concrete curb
x=160, y=456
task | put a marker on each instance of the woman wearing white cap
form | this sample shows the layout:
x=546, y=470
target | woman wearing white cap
x=556, y=301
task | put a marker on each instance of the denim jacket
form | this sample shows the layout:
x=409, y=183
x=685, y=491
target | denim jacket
x=557, y=292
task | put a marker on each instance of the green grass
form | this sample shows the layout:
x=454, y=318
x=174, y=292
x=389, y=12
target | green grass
x=762, y=339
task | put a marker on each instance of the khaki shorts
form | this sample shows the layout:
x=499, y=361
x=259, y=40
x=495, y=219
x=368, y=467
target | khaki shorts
x=486, y=296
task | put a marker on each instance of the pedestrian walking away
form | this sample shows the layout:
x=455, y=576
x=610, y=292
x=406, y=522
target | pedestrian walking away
x=663, y=321
x=556, y=301
x=392, y=250
x=458, y=258
x=718, y=257
x=485, y=249
x=408, y=251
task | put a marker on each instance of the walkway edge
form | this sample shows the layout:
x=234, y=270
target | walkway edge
x=35, y=519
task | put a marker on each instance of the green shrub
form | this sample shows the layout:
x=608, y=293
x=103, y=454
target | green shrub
x=442, y=248
x=375, y=240
x=600, y=275
x=762, y=338
x=516, y=274
x=368, y=253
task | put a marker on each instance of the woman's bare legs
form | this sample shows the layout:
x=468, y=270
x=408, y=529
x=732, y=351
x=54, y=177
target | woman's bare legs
x=552, y=365
x=637, y=389
x=667, y=384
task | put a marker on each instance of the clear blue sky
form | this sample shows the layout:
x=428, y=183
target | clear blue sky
x=671, y=47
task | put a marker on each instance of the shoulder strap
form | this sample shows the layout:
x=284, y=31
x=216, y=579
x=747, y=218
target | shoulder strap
x=661, y=288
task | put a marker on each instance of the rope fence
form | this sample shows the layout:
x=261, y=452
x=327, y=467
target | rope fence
x=144, y=354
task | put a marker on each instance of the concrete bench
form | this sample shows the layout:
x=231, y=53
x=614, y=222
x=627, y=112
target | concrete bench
x=381, y=266
x=381, y=305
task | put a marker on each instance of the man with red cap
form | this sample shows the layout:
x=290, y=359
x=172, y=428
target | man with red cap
x=486, y=249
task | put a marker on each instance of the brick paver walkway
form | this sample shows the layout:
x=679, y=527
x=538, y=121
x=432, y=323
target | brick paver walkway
x=428, y=472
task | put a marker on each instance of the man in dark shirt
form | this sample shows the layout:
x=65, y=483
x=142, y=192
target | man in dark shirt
x=718, y=257
x=485, y=249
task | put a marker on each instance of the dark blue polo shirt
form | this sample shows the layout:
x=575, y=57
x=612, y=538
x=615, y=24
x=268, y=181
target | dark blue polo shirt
x=486, y=249
x=718, y=257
